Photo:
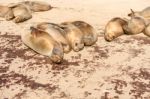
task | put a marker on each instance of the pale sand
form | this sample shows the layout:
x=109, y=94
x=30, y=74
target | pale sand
x=106, y=70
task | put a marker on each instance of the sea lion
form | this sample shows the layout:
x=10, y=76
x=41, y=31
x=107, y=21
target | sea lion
x=57, y=33
x=37, y=6
x=73, y=35
x=6, y=12
x=41, y=42
x=147, y=30
x=135, y=25
x=90, y=36
x=34, y=6
x=21, y=13
x=114, y=28
x=145, y=14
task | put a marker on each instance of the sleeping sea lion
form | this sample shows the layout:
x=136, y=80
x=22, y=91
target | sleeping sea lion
x=41, y=42
x=73, y=35
x=90, y=36
x=114, y=28
x=57, y=33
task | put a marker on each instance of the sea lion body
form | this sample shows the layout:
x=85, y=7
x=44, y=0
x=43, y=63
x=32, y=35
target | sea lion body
x=6, y=12
x=114, y=28
x=37, y=6
x=21, y=13
x=44, y=44
x=147, y=30
x=90, y=36
x=145, y=14
x=73, y=35
x=57, y=33
x=135, y=25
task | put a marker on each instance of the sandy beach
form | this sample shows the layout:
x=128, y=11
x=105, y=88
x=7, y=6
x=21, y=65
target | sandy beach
x=107, y=70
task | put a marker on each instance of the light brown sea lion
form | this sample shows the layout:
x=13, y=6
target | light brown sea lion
x=6, y=12
x=21, y=13
x=73, y=35
x=135, y=25
x=145, y=14
x=147, y=30
x=90, y=36
x=34, y=6
x=57, y=33
x=114, y=28
x=37, y=6
x=44, y=44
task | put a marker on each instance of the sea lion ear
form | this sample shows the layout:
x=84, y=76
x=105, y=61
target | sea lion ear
x=34, y=31
x=132, y=11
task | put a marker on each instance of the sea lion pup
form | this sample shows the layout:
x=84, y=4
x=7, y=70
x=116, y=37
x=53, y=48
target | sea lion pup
x=147, y=30
x=90, y=36
x=73, y=35
x=114, y=28
x=44, y=44
x=6, y=12
x=57, y=33
x=135, y=25
x=21, y=13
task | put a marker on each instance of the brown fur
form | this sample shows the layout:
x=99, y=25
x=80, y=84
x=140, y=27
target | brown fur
x=135, y=25
x=147, y=30
x=73, y=35
x=6, y=12
x=145, y=14
x=114, y=28
x=37, y=6
x=21, y=13
x=57, y=33
x=90, y=37
x=43, y=43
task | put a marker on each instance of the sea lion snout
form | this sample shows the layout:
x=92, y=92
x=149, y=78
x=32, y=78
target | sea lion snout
x=109, y=37
x=78, y=46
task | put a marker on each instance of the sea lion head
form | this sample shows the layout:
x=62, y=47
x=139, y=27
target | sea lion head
x=57, y=55
x=74, y=36
x=110, y=36
x=77, y=45
x=133, y=13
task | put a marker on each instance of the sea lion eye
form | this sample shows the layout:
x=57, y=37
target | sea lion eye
x=76, y=44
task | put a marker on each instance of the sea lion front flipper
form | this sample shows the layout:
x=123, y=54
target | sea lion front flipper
x=22, y=18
